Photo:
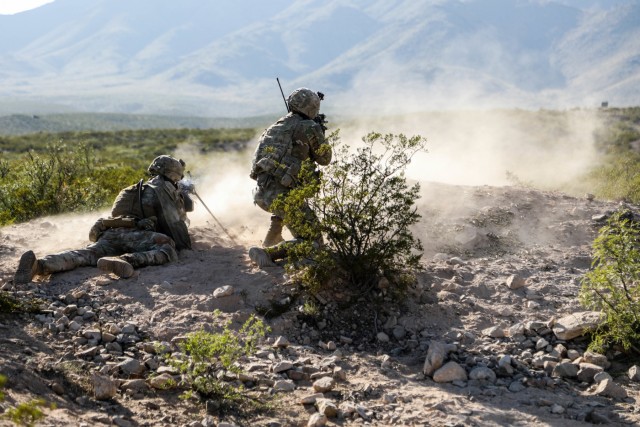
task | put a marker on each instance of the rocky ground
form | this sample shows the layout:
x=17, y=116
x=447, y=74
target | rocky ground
x=491, y=335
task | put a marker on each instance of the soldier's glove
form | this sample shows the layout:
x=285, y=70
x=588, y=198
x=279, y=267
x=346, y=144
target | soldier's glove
x=186, y=187
x=147, y=224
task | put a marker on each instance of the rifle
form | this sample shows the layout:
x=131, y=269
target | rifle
x=187, y=186
x=282, y=93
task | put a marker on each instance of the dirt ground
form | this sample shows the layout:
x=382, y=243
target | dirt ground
x=478, y=241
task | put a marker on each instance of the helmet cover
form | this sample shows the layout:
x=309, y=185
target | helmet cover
x=167, y=166
x=304, y=101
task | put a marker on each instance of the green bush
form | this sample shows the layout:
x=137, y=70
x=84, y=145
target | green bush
x=613, y=284
x=209, y=354
x=59, y=180
x=24, y=414
x=365, y=209
x=617, y=179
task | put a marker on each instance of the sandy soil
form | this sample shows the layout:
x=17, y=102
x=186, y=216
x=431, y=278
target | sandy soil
x=475, y=239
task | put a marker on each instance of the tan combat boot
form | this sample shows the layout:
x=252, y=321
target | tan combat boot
x=274, y=234
x=117, y=266
x=27, y=268
x=260, y=257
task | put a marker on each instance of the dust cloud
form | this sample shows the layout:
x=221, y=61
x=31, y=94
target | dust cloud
x=495, y=147
x=543, y=149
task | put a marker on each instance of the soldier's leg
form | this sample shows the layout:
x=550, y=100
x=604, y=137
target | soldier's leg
x=274, y=234
x=142, y=248
x=29, y=266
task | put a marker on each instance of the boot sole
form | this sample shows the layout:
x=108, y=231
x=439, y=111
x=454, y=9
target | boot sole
x=117, y=266
x=260, y=257
x=26, y=268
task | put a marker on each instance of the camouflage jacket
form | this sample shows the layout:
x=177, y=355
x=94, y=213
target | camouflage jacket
x=286, y=144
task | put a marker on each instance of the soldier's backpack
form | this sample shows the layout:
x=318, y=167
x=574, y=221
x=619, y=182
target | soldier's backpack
x=273, y=154
x=129, y=202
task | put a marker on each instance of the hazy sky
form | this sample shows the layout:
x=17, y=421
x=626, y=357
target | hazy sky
x=8, y=7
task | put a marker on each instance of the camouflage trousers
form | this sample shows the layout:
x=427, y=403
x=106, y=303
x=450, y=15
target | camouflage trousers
x=138, y=247
x=263, y=195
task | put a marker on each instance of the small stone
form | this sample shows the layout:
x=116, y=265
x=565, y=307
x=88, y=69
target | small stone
x=596, y=359
x=327, y=407
x=162, y=382
x=494, y=332
x=132, y=366
x=565, y=370
x=516, y=386
x=311, y=398
x=104, y=388
x=324, y=384
x=588, y=371
x=516, y=282
x=576, y=324
x=634, y=373
x=382, y=337
x=317, y=420
x=282, y=366
x=541, y=344
x=284, y=385
x=601, y=376
x=482, y=373
x=573, y=354
x=281, y=342
x=223, y=291
x=57, y=388
x=399, y=332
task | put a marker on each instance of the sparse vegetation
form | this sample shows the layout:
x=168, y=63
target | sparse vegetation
x=208, y=356
x=27, y=413
x=613, y=284
x=11, y=304
x=55, y=173
x=365, y=209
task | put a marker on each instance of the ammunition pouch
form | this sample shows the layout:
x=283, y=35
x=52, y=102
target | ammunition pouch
x=119, y=222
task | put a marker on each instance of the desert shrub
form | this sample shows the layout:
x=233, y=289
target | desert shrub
x=207, y=355
x=24, y=414
x=62, y=179
x=364, y=208
x=618, y=178
x=613, y=284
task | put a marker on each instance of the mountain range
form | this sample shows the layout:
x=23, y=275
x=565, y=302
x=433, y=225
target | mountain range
x=222, y=58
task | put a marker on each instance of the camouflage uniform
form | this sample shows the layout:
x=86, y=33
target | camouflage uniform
x=137, y=247
x=147, y=225
x=293, y=139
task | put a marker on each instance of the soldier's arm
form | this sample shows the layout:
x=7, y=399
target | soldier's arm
x=320, y=150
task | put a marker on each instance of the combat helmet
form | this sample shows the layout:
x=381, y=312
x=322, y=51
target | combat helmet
x=167, y=166
x=304, y=101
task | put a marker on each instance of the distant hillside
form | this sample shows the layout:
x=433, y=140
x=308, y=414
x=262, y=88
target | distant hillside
x=20, y=124
x=221, y=58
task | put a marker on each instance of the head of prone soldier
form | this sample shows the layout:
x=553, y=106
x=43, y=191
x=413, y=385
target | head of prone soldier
x=168, y=167
x=305, y=102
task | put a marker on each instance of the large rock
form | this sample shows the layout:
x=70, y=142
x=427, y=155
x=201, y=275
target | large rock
x=610, y=389
x=588, y=371
x=435, y=357
x=576, y=324
x=450, y=372
x=596, y=359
